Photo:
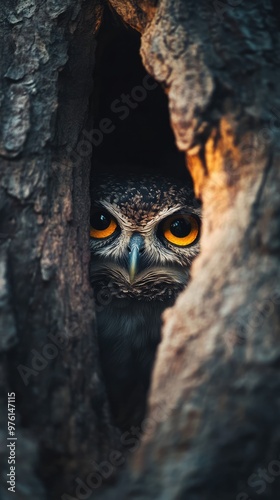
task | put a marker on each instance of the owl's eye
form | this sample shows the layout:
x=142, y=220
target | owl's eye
x=181, y=229
x=102, y=224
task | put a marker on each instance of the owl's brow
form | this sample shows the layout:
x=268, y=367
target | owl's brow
x=157, y=217
x=166, y=212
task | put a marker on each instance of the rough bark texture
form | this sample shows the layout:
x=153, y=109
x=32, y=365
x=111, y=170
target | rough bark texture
x=136, y=14
x=213, y=421
x=48, y=349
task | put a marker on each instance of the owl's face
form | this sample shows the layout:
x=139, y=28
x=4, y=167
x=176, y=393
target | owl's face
x=144, y=235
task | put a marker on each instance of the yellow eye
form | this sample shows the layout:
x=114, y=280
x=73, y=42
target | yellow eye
x=102, y=224
x=181, y=229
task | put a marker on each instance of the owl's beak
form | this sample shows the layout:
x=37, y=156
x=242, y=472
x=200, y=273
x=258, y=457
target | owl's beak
x=135, y=249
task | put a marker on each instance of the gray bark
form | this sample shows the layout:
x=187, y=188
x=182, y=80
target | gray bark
x=48, y=345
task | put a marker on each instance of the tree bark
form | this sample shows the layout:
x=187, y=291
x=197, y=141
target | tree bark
x=48, y=345
x=212, y=427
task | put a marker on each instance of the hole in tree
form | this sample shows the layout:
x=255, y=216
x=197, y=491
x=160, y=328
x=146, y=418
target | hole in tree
x=130, y=108
x=132, y=135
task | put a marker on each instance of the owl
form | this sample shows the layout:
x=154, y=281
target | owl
x=144, y=235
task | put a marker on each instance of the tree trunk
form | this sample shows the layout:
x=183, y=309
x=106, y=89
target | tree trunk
x=48, y=346
x=212, y=429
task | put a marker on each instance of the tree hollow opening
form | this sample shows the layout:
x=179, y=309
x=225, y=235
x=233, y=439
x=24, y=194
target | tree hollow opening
x=140, y=177
x=132, y=125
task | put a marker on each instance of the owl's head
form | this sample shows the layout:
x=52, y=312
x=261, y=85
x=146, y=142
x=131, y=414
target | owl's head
x=144, y=235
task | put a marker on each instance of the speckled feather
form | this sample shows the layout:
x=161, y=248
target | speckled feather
x=140, y=199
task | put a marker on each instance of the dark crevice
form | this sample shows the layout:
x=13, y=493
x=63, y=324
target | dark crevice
x=131, y=134
x=132, y=123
